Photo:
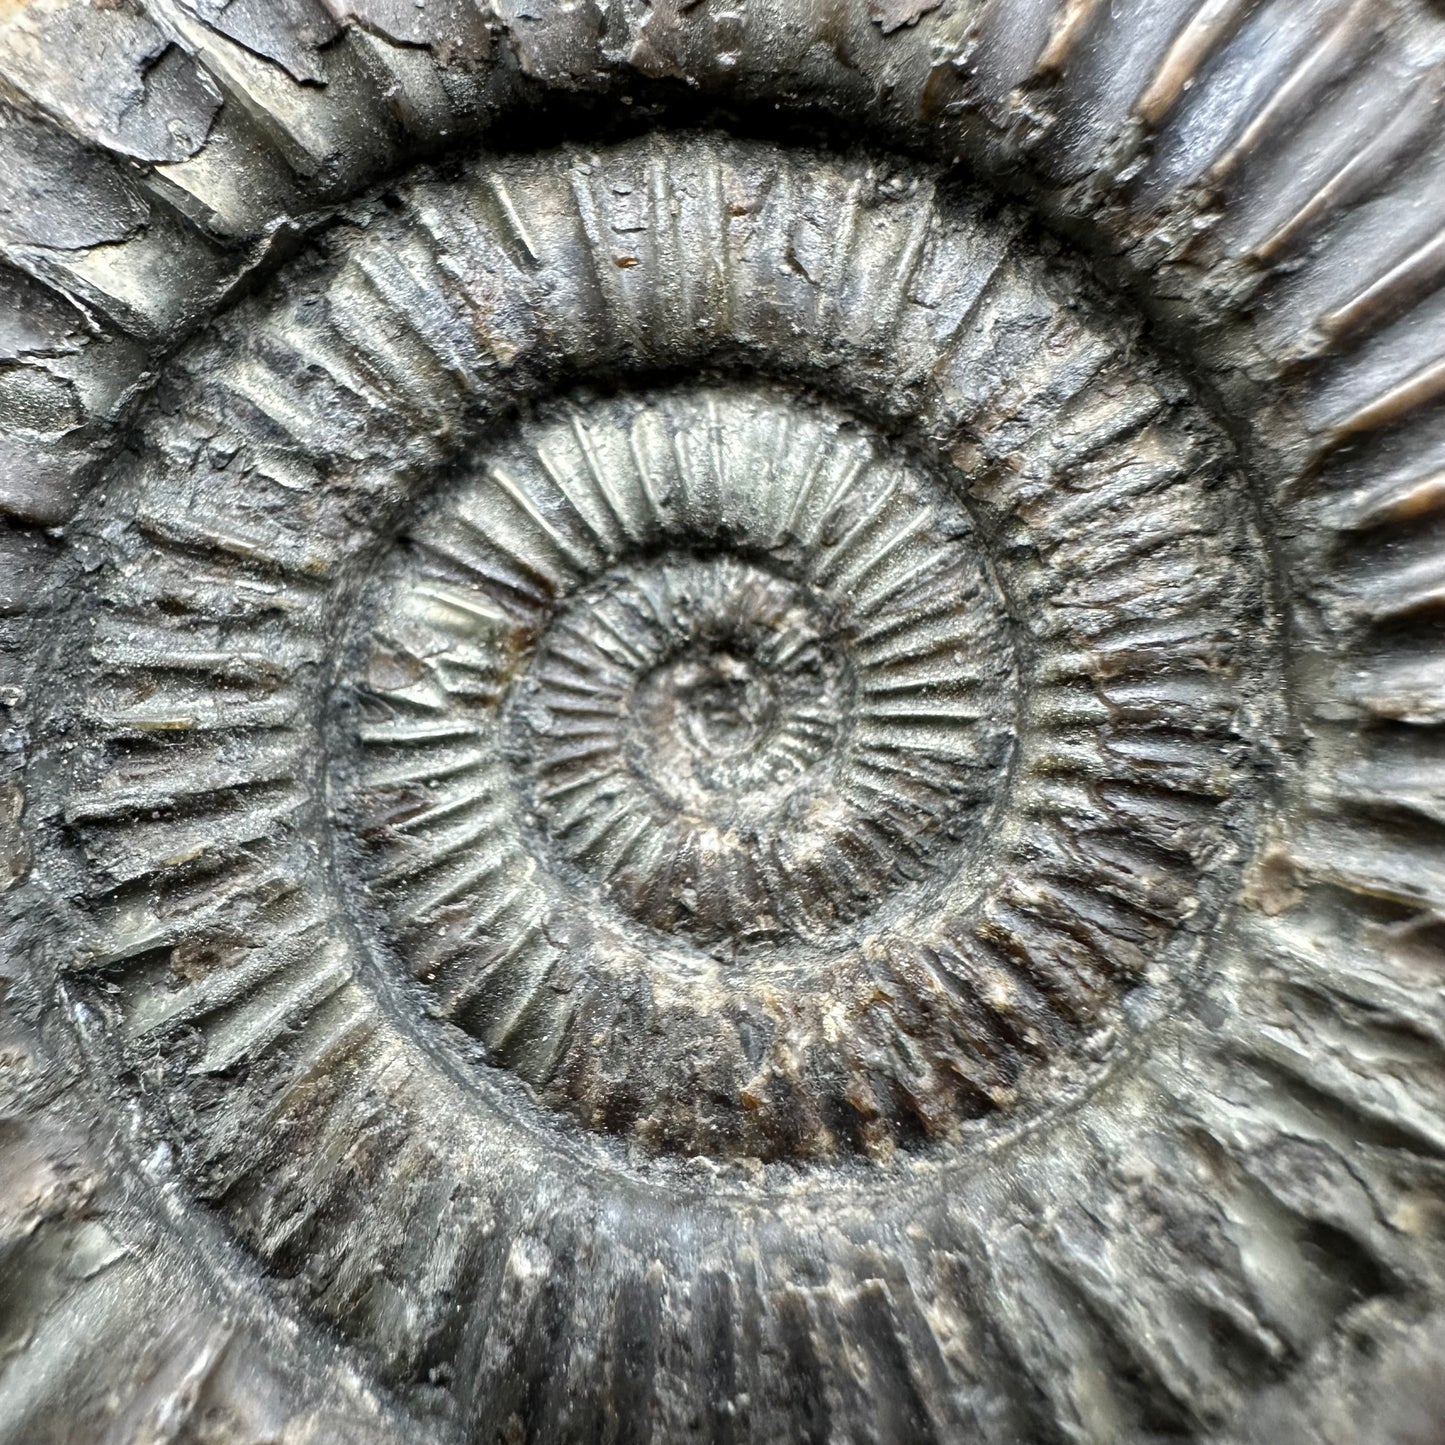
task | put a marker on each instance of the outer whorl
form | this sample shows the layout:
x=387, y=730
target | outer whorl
x=720, y=722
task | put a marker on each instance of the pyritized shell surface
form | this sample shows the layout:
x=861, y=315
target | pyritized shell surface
x=708, y=781
x=688, y=778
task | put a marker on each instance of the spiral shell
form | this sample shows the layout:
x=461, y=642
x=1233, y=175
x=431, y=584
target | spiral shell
x=702, y=776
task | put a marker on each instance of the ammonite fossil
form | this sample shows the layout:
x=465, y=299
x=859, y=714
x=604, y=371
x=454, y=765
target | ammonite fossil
x=720, y=721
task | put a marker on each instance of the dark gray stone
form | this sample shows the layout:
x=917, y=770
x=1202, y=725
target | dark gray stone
x=721, y=721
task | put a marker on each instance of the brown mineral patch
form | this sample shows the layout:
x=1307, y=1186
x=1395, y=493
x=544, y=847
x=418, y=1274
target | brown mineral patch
x=1272, y=885
x=14, y=852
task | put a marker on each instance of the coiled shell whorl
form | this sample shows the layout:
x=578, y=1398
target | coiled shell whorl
x=722, y=722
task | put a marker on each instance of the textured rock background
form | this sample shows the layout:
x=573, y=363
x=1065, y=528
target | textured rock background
x=1148, y=291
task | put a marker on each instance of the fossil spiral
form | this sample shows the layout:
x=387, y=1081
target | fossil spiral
x=722, y=721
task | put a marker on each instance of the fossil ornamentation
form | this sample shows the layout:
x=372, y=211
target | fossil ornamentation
x=722, y=721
